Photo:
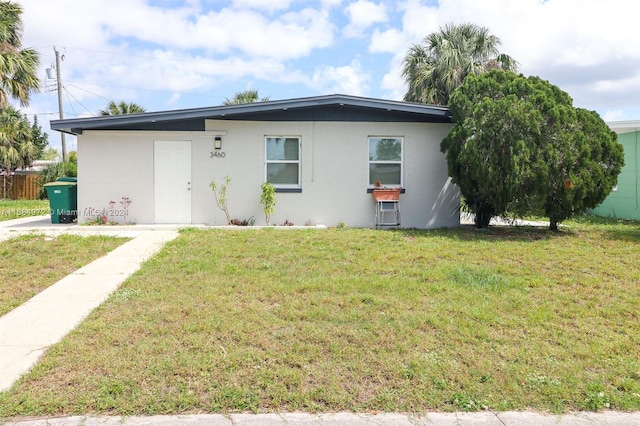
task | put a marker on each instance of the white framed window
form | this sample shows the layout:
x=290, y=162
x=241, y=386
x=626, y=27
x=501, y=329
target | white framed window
x=282, y=161
x=385, y=160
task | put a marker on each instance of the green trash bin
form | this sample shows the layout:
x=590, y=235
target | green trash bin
x=63, y=201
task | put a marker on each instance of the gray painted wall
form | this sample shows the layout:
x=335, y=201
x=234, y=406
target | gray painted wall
x=334, y=173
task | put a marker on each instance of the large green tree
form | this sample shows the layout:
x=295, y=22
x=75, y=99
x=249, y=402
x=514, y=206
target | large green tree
x=16, y=140
x=519, y=146
x=434, y=68
x=18, y=66
x=245, y=97
x=584, y=168
x=121, y=108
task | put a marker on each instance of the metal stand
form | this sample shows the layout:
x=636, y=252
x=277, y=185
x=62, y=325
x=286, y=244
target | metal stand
x=387, y=213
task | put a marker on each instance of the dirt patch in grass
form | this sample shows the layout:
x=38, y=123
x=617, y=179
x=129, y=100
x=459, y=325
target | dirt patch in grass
x=31, y=263
x=357, y=320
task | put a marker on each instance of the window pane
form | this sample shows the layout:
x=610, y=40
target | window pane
x=282, y=149
x=388, y=174
x=385, y=149
x=282, y=173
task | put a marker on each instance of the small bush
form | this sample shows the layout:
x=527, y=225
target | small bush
x=50, y=173
x=243, y=222
x=268, y=200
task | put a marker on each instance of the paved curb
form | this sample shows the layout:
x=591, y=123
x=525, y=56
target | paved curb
x=509, y=418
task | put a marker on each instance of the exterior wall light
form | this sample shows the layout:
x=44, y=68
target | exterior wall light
x=217, y=142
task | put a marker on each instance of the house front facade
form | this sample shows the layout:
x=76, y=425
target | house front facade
x=323, y=155
x=624, y=201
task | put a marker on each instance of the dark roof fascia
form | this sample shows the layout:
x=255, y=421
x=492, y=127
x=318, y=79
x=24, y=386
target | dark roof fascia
x=132, y=121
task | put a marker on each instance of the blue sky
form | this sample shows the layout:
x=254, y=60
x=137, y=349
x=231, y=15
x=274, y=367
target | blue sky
x=172, y=54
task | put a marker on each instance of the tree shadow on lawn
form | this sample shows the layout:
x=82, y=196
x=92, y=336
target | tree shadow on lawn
x=611, y=228
x=493, y=233
x=628, y=235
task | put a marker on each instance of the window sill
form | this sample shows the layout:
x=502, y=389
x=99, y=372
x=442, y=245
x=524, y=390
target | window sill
x=289, y=190
x=370, y=190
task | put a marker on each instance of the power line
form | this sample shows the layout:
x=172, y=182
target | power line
x=139, y=89
x=89, y=92
x=136, y=89
x=69, y=100
x=76, y=99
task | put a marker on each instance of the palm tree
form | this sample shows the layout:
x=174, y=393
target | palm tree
x=437, y=66
x=121, y=108
x=18, y=67
x=246, y=97
x=16, y=142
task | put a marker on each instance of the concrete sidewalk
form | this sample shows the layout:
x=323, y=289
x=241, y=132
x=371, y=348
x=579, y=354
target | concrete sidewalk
x=42, y=225
x=468, y=219
x=29, y=330
x=485, y=418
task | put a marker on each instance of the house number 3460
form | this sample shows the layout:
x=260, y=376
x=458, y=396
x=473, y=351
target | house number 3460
x=216, y=154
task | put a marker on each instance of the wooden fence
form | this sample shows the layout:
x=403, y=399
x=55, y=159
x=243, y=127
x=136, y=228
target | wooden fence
x=20, y=186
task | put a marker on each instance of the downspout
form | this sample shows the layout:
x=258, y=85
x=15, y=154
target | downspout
x=313, y=156
x=636, y=165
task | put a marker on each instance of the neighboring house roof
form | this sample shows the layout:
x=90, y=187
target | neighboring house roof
x=37, y=165
x=624, y=126
x=316, y=108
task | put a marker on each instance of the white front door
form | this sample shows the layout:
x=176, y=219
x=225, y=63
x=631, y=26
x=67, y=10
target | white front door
x=172, y=181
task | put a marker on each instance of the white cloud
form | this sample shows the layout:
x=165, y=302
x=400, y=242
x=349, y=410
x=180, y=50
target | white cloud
x=349, y=79
x=417, y=21
x=291, y=35
x=127, y=49
x=393, y=84
x=173, y=99
x=330, y=3
x=101, y=24
x=579, y=45
x=584, y=46
x=363, y=14
x=268, y=5
x=389, y=41
x=616, y=115
x=164, y=54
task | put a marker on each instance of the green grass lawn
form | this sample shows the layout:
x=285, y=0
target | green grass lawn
x=14, y=209
x=31, y=263
x=362, y=320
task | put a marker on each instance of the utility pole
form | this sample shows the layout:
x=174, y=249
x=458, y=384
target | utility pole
x=64, y=145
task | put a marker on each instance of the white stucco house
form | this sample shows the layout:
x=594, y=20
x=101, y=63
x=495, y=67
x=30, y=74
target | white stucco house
x=323, y=154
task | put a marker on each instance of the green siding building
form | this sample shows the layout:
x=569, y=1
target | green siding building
x=624, y=201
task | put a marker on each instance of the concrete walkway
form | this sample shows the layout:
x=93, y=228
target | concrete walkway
x=27, y=332
x=43, y=225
